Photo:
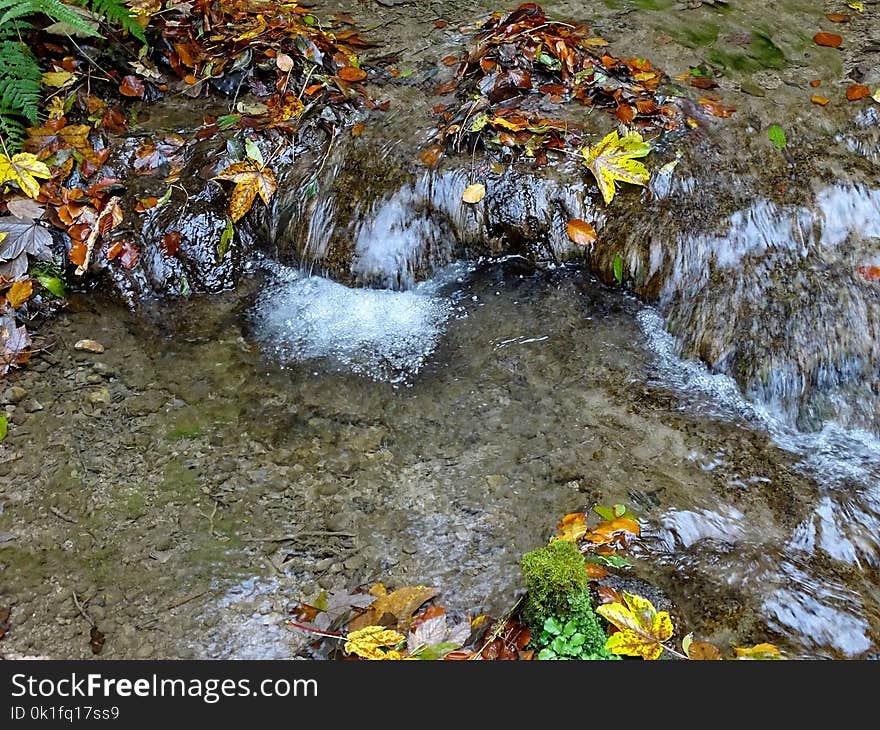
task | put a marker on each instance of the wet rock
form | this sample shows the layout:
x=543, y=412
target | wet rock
x=32, y=406
x=149, y=402
x=99, y=397
x=94, y=379
x=92, y=346
x=14, y=394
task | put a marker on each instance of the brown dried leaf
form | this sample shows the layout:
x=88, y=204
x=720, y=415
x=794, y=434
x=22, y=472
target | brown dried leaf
x=857, y=91
x=581, y=232
x=703, y=651
x=250, y=179
x=19, y=293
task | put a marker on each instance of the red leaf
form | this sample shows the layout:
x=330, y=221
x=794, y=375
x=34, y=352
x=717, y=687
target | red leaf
x=871, y=273
x=169, y=244
x=132, y=86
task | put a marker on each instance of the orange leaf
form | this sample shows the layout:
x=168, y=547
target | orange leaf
x=581, y=232
x=595, y=571
x=871, y=273
x=837, y=17
x=19, y=293
x=703, y=651
x=132, y=86
x=431, y=155
x=815, y=82
x=351, y=73
x=832, y=40
x=712, y=107
x=358, y=129
x=857, y=91
x=820, y=100
x=447, y=87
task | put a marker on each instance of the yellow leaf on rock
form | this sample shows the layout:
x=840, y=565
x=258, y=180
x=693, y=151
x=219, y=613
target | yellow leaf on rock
x=474, y=193
x=23, y=169
x=614, y=159
x=19, y=293
x=250, y=179
x=641, y=629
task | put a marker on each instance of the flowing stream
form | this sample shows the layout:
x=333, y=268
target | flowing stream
x=420, y=414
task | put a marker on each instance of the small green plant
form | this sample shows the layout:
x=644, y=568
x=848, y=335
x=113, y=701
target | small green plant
x=567, y=642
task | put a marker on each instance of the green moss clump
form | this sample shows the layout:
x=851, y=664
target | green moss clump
x=553, y=574
x=557, y=591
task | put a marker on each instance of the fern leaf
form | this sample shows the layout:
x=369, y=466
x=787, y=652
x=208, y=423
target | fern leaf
x=116, y=11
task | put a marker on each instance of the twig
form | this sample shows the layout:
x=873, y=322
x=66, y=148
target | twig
x=187, y=600
x=82, y=611
x=499, y=627
x=58, y=513
x=292, y=538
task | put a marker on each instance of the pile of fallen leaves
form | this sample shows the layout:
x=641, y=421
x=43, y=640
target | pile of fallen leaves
x=521, y=67
x=277, y=64
x=408, y=623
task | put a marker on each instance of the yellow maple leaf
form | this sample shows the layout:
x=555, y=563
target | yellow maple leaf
x=641, y=628
x=374, y=642
x=250, y=178
x=23, y=169
x=614, y=159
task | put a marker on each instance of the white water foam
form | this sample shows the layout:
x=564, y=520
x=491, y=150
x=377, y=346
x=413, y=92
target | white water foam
x=377, y=333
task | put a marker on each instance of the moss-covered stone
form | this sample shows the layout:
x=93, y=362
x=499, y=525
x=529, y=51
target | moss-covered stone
x=553, y=574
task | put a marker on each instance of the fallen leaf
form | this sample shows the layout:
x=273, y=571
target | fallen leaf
x=430, y=156
x=89, y=346
x=25, y=208
x=396, y=607
x=358, y=129
x=170, y=243
x=57, y=79
x=436, y=637
x=614, y=159
x=250, y=179
x=595, y=571
x=581, y=232
x=374, y=642
x=703, y=651
x=132, y=86
x=831, y=40
x=871, y=273
x=815, y=83
x=710, y=106
x=19, y=293
x=15, y=344
x=759, y=651
x=571, y=528
x=837, y=17
x=641, y=628
x=352, y=73
x=284, y=62
x=819, y=100
x=859, y=6
x=777, y=135
x=474, y=193
x=96, y=640
x=23, y=169
x=857, y=91
x=24, y=236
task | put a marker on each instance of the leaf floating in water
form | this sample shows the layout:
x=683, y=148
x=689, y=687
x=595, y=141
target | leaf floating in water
x=225, y=239
x=819, y=100
x=857, y=91
x=352, y=73
x=777, y=136
x=837, y=17
x=871, y=273
x=831, y=40
x=430, y=156
x=759, y=651
x=474, y=193
x=614, y=159
x=716, y=109
x=581, y=232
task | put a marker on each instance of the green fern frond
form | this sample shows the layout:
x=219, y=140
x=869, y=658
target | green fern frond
x=116, y=11
x=54, y=9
